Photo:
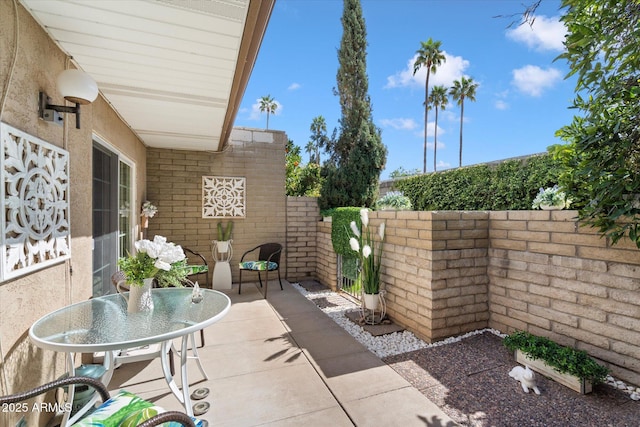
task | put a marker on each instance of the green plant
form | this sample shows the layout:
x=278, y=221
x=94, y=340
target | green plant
x=551, y=196
x=508, y=185
x=357, y=155
x=224, y=233
x=565, y=360
x=604, y=138
x=369, y=250
x=340, y=220
x=163, y=260
x=394, y=200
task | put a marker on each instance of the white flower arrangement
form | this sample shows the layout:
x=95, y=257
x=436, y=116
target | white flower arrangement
x=552, y=196
x=163, y=260
x=149, y=209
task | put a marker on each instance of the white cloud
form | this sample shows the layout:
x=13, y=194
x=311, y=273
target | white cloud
x=443, y=165
x=399, y=124
x=294, y=86
x=501, y=105
x=256, y=114
x=532, y=80
x=545, y=34
x=446, y=73
x=431, y=126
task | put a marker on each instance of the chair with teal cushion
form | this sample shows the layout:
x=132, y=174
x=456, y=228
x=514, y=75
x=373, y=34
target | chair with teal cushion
x=197, y=265
x=124, y=409
x=268, y=260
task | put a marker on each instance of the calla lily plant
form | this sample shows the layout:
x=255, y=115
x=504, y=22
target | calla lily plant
x=369, y=249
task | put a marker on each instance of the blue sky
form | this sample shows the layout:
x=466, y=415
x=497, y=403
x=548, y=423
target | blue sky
x=522, y=97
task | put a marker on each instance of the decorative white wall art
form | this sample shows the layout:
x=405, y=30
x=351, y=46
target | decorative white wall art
x=223, y=197
x=35, y=224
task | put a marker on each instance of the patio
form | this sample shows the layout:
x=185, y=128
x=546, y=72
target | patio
x=282, y=361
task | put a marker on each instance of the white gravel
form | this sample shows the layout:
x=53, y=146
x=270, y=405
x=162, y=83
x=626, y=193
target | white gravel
x=405, y=341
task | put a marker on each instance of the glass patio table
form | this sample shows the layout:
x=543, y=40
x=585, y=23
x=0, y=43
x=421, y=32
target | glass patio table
x=103, y=324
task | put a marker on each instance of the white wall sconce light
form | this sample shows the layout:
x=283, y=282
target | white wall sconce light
x=75, y=86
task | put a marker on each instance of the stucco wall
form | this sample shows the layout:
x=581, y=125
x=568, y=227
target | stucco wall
x=23, y=300
x=174, y=185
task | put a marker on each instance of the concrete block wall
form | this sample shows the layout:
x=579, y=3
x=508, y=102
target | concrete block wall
x=552, y=277
x=326, y=262
x=302, y=220
x=174, y=185
x=447, y=273
x=435, y=270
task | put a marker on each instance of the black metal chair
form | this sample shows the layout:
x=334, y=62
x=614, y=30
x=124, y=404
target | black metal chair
x=156, y=420
x=268, y=260
x=198, y=265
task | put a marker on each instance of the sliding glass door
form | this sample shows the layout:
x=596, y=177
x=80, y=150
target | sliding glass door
x=112, y=215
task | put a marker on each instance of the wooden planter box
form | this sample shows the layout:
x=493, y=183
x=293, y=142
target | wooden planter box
x=574, y=383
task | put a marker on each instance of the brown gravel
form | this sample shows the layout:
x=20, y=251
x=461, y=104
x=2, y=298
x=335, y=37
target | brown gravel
x=470, y=381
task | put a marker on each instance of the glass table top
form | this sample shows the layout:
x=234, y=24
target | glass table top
x=103, y=323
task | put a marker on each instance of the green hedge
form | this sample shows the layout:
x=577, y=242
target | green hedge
x=510, y=185
x=340, y=228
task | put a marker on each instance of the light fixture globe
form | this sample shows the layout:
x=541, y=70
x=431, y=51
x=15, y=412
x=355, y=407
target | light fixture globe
x=77, y=86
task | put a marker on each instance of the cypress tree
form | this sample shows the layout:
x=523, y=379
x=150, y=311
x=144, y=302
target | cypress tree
x=357, y=155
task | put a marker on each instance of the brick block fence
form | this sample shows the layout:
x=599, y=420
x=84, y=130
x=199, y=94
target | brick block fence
x=450, y=272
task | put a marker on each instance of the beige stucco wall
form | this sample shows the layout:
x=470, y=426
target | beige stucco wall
x=23, y=300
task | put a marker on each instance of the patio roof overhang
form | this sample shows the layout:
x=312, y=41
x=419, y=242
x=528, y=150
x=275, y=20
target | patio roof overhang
x=174, y=70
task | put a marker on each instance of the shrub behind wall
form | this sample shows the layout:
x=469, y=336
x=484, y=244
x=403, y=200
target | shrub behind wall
x=510, y=185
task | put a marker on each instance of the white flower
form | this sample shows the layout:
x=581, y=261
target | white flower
x=353, y=242
x=354, y=228
x=364, y=217
x=381, y=231
x=160, y=250
x=148, y=209
x=162, y=265
x=366, y=251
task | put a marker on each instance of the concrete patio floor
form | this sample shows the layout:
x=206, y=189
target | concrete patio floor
x=282, y=362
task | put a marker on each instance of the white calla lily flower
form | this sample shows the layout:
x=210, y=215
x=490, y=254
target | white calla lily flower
x=354, y=228
x=366, y=251
x=353, y=242
x=364, y=217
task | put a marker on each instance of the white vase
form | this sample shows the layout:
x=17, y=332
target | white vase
x=371, y=301
x=139, y=298
x=222, y=246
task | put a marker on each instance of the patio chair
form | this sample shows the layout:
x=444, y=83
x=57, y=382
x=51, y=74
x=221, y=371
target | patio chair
x=112, y=411
x=197, y=265
x=268, y=260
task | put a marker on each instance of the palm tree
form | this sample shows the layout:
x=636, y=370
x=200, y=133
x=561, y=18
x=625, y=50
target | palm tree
x=461, y=89
x=319, y=137
x=268, y=104
x=431, y=57
x=438, y=98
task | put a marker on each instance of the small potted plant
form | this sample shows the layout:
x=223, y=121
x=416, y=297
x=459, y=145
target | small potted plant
x=224, y=237
x=551, y=198
x=568, y=366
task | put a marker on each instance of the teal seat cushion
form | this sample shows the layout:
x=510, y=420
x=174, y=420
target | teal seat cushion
x=124, y=410
x=258, y=265
x=196, y=269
